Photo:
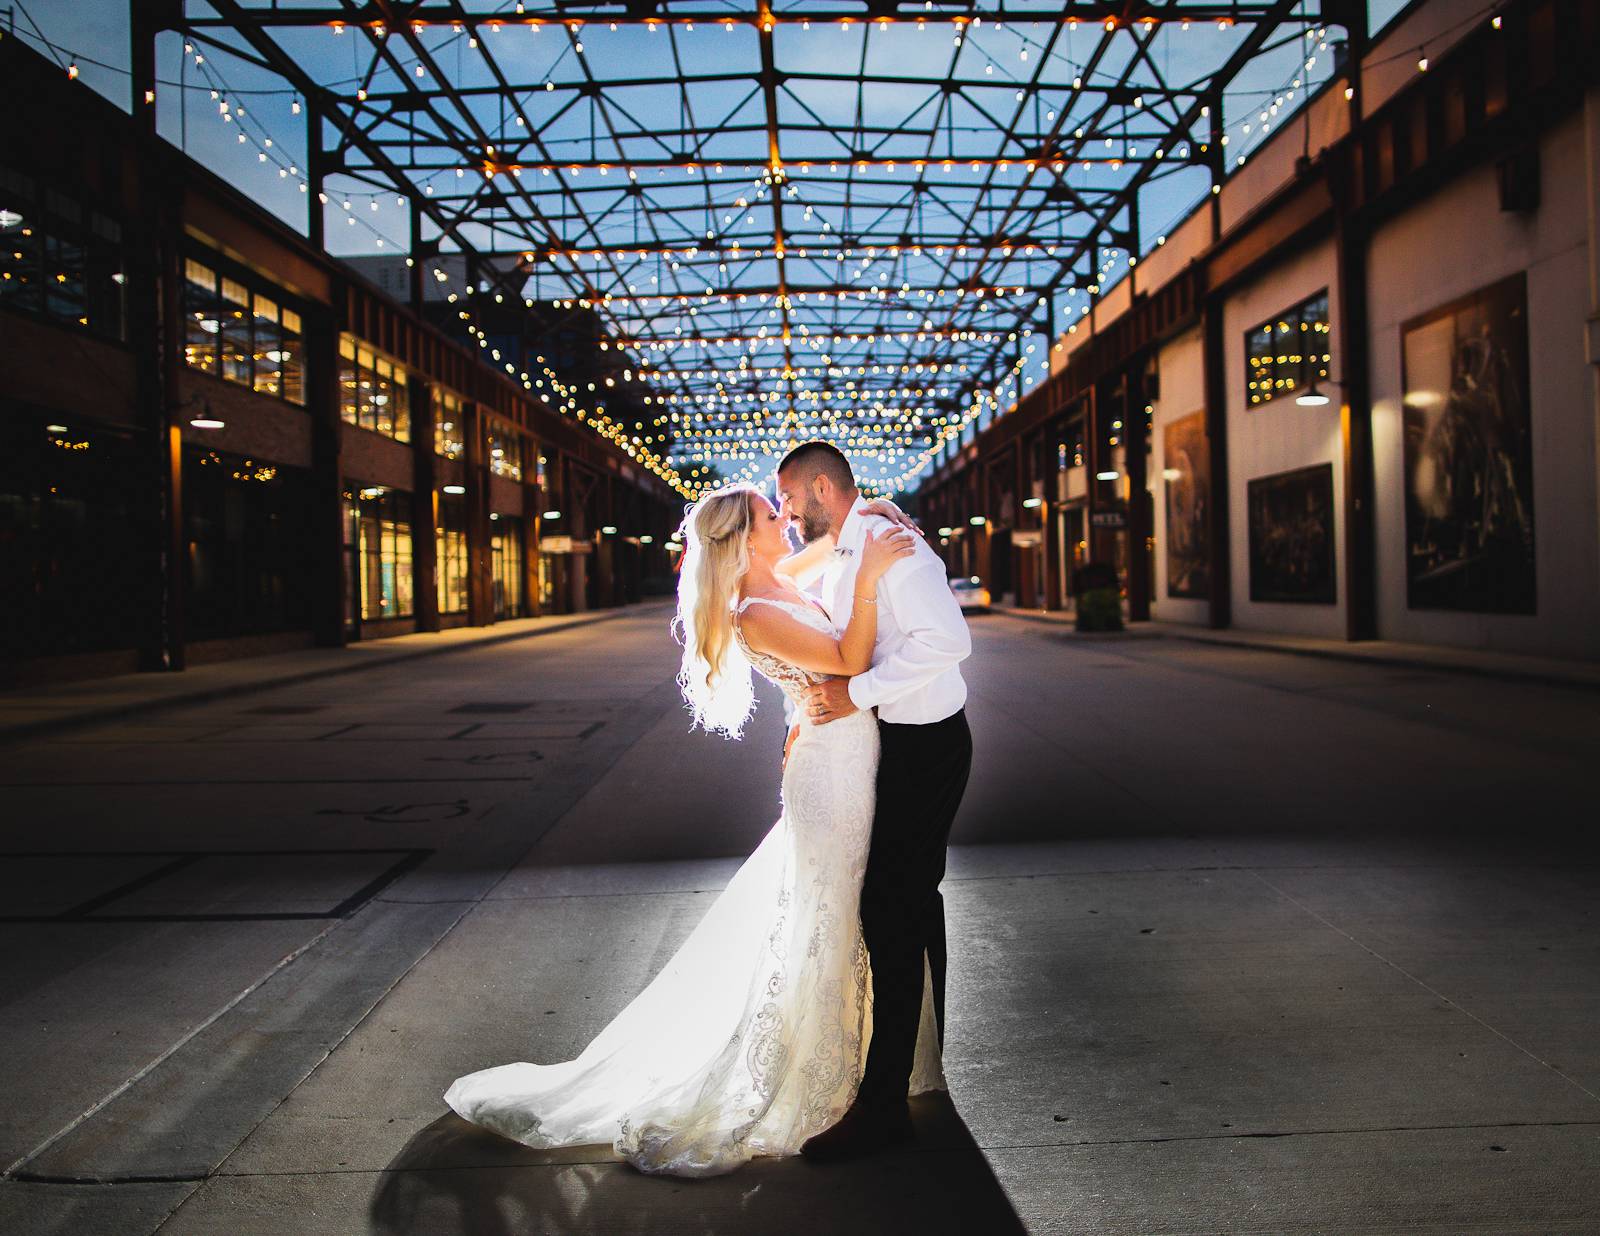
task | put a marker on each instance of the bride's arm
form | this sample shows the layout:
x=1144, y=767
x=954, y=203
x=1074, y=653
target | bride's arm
x=769, y=629
x=806, y=563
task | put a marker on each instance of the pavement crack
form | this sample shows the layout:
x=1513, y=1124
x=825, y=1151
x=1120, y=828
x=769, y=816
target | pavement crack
x=1355, y=1130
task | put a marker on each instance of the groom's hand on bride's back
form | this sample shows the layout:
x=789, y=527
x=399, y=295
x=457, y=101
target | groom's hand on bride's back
x=828, y=701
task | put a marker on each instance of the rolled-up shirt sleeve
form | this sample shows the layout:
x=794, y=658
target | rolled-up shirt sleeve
x=936, y=635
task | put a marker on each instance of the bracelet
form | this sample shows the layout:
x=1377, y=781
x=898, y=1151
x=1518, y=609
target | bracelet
x=868, y=600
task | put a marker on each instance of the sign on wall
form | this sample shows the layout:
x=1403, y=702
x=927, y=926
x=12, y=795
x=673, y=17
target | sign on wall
x=1186, y=476
x=1469, y=454
x=1291, y=537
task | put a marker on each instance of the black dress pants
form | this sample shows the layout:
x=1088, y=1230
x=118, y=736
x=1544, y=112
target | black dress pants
x=922, y=774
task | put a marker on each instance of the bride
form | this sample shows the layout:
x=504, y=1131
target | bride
x=753, y=1037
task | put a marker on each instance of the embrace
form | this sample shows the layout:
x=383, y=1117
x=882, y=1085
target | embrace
x=800, y=1013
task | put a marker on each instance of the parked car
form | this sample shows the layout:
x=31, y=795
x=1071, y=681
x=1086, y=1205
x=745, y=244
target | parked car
x=970, y=594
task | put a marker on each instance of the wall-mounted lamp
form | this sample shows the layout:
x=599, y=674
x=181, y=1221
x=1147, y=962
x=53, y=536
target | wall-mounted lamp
x=946, y=531
x=647, y=540
x=1107, y=476
x=977, y=521
x=1312, y=397
x=454, y=489
x=551, y=515
x=205, y=418
x=1031, y=503
x=609, y=530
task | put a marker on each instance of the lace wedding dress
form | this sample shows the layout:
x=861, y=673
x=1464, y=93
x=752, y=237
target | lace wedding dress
x=753, y=1037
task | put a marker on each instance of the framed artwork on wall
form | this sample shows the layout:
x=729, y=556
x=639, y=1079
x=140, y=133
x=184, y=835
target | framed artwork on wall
x=1292, y=537
x=1469, y=454
x=1186, y=477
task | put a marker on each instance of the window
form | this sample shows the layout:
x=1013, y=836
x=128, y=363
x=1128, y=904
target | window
x=292, y=358
x=378, y=537
x=504, y=445
x=234, y=336
x=58, y=258
x=202, y=311
x=505, y=548
x=449, y=438
x=373, y=391
x=1288, y=352
x=267, y=354
x=241, y=334
x=247, y=534
x=74, y=560
x=450, y=567
x=1071, y=445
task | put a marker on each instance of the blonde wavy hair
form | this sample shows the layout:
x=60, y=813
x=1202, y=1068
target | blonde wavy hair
x=714, y=677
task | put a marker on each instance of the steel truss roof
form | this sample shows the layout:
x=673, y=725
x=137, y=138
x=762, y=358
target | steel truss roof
x=799, y=218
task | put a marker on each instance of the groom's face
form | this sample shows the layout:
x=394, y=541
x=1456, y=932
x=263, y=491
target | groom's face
x=800, y=506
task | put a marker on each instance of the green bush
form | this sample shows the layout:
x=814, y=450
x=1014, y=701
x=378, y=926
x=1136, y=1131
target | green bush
x=1099, y=609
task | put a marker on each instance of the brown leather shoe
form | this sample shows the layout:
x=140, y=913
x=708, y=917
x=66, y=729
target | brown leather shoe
x=863, y=1130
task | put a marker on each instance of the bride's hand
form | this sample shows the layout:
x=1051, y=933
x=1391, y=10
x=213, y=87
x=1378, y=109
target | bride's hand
x=889, y=511
x=879, y=553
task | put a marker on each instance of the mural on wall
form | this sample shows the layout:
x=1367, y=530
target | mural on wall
x=1291, y=537
x=1187, y=476
x=1469, y=454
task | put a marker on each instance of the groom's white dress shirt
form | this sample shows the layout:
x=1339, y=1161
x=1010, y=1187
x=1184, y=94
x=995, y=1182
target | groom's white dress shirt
x=922, y=638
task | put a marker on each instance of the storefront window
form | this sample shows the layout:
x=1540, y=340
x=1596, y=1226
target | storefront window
x=449, y=437
x=378, y=537
x=505, y=451
x=58, y=257
x=247, y=545
x=547, y=583
x=505, y=545
x=451, y=554
x=1287, y=353
x=373, y=391
x=242, y=334
x=74, y=537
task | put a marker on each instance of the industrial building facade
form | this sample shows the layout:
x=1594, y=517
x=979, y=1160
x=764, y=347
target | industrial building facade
x=217, y=441
x=1355, y=393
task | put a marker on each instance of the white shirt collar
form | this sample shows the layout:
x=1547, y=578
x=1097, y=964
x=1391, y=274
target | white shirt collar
x=853, y=531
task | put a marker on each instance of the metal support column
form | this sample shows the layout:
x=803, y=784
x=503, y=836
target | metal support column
x=1139, y=529
x=1214, y=360
x=424, y=506
x=155, y=317
x=336, y=582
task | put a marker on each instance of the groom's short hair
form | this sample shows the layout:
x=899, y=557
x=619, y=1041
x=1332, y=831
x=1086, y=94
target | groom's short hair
x=811, y=459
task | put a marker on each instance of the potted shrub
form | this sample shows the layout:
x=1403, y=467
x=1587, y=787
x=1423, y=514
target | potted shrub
x=1099, y=598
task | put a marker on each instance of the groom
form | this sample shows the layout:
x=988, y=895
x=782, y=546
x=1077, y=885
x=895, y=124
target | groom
x=925, y=754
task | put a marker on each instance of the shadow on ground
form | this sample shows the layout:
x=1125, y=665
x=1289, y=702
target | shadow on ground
x=454, y=1177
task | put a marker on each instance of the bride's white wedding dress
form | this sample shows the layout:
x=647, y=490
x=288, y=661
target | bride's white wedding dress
x=753, y=1037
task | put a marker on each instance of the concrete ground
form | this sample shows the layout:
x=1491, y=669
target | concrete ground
x=1240, y=942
